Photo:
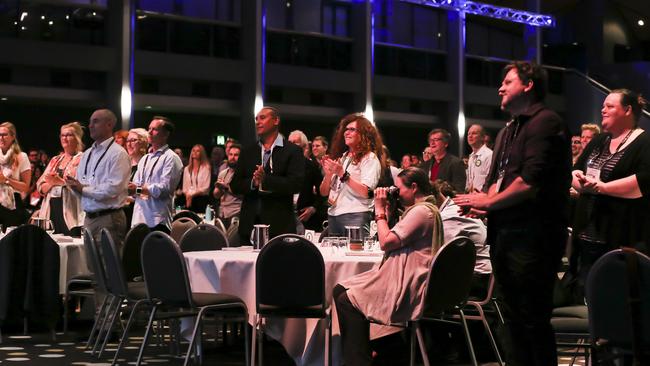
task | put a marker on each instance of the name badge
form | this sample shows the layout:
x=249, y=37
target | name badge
x=593, y=173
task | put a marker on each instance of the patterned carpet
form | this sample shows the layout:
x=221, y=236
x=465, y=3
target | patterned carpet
x=69, y=349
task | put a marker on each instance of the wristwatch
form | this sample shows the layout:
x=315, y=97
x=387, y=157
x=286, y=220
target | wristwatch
x=138, y=190
x=380, y=217
x=345, y=177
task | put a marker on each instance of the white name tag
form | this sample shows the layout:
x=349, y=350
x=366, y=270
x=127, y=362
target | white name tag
x=593, y=173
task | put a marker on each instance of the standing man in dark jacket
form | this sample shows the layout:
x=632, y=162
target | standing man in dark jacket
x=526, y=205
x=444, y=166
x=268, y=174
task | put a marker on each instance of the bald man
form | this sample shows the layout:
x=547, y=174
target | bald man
x=102, y=179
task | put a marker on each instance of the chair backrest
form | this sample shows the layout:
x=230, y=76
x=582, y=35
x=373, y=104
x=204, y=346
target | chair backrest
x=131, y=252
x=180, y=226
x=165, y=271
x=219, y=224
x=203, y=237
x=324, y=234
x=607, y=297
x=233, y=233
x=188, y=214
x=115, y=280
x=450, y=277
x=94, y=264
x=290, y=278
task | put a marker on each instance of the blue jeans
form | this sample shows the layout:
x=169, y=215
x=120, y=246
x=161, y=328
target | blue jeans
x=336, y=224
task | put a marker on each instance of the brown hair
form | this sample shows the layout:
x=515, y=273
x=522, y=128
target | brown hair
x=370, y=140
x=632, y=99
x=530, y=71
x=418, y=176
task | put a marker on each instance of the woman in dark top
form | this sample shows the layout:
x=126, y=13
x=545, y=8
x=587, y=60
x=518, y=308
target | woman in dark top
x=612, y=177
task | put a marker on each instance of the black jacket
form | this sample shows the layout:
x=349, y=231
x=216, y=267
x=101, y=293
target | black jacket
x=275, y=207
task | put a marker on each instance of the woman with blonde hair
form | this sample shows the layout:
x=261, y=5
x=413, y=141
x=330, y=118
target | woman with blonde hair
x=352, y=172
x=15, y=175
x=61, y=205
x=137, y=143
x=196, y=180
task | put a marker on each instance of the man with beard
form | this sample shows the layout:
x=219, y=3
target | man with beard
x=526, y=205
x=230, y=204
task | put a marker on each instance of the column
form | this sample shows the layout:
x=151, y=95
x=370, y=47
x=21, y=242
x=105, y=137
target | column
x=253, y=47
x=363, y=54
x=121, y=28
x=456, y=73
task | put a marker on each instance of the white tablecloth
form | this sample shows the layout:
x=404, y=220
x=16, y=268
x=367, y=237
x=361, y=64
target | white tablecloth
x=233, y=272
x=72, y=259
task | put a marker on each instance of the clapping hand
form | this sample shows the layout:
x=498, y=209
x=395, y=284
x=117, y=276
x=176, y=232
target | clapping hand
x=332, y=167
x=588, y=184
x=258, y=176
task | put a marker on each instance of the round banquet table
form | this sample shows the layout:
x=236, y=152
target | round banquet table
x=233, y=272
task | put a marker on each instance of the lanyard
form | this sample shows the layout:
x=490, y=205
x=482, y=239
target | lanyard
x=90, y=154
x=153, y=167
x=606, y=146
x=508, y=146
x=61, y=172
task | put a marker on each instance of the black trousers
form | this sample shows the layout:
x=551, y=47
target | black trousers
x=355, y=330
x=525, y=261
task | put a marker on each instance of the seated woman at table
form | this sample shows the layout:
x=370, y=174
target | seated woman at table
x=394, y=292
x=15, y=175
x=61, y=205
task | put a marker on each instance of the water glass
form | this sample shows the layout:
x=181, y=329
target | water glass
x=369, y=243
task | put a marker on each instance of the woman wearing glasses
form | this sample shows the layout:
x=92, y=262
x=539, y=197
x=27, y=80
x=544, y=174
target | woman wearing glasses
x=612, y=177
x=61, y=205
x=136, y=145
x=352, y=172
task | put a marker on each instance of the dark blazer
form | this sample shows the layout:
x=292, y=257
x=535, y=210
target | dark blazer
x=275, y=207
x=452, y=170
x=310, y=196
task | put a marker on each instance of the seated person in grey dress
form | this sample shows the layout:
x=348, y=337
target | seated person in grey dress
x=393, y=292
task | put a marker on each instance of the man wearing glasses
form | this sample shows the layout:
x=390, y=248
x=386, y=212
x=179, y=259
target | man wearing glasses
x=444, y=166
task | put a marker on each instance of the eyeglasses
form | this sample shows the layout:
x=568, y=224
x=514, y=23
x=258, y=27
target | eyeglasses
x=576, y=142
x=66, y=135
x=4, y=134
x=350, y=129
x=131, y=141
x=436, y=139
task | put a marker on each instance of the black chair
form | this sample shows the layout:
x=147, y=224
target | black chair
x=99, y=279
x=203, y=237
x=445, y=299
x=123, y=292
x=170, y=294
x=618, y=297
x=571, y=326
x=181, y=226
x=189, y=214
x=290, y=283
x=131, y=251
x=80, y=286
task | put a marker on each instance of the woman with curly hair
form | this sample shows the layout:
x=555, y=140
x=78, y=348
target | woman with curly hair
x=351, y=173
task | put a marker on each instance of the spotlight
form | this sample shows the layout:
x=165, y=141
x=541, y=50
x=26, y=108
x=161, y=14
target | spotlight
x=641, y=23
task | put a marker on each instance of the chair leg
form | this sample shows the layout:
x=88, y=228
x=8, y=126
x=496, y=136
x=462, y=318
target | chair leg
x=260, y=341
x=468, y=338
x=100, y=331
x=423, y=349
x=493, y=343
x=190, y=348
x=116, y=313
x=412, y=346
x=66, y=297
x=246, y=340
x=254, y=341
x=125, y=334
x=146, y=335
x=98, y=317
x=498, y=310
x=328, y=339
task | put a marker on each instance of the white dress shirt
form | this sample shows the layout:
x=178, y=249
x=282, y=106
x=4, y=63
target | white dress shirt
x=478, y=168
x=104, y=171
x=160, y=171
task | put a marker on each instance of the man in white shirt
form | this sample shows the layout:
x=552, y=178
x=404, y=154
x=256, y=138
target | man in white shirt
x=102, y=178
x=156, y=179
x=478, y=164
